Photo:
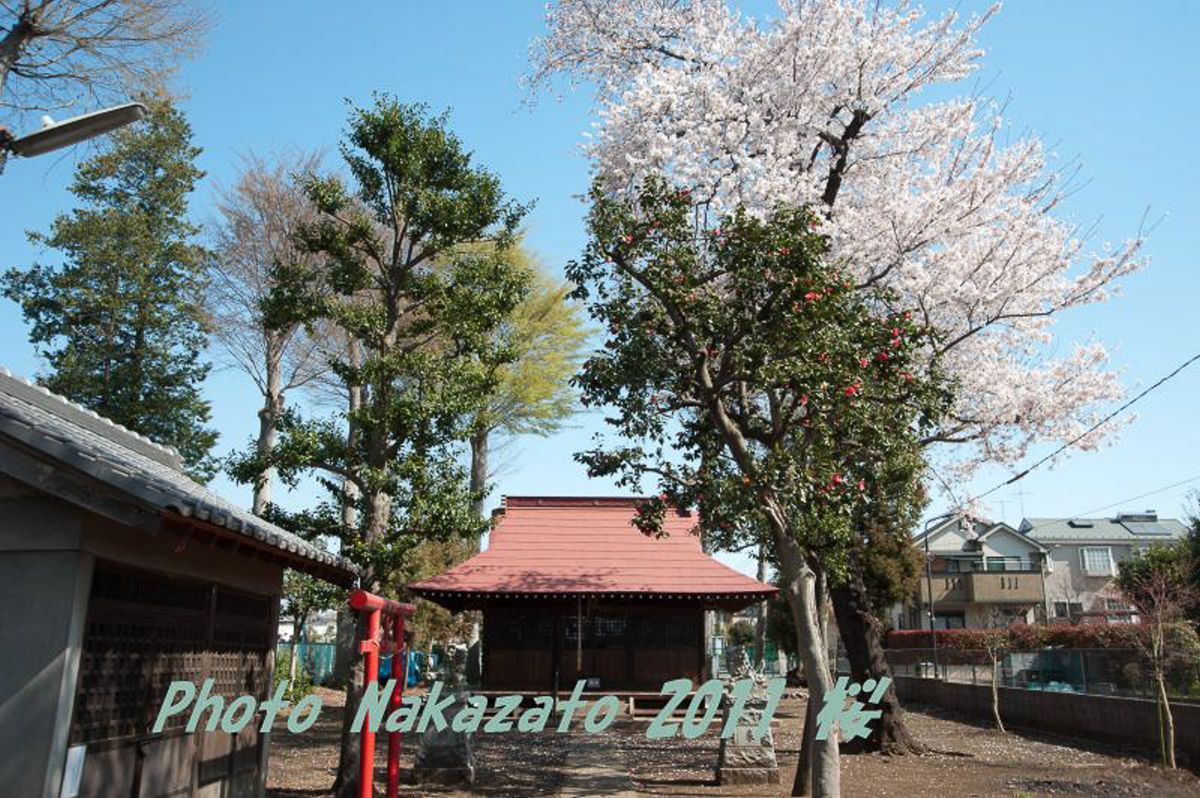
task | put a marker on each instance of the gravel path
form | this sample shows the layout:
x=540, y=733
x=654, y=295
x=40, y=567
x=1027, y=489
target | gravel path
x=968, y=759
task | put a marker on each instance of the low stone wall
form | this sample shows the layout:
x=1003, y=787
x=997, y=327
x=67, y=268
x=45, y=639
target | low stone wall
x=1128, y=722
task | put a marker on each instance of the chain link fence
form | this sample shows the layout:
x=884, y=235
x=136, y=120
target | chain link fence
x=1114, y=672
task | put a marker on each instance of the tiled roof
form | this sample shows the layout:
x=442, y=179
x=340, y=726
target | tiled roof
x=1126, y=528
x=579, y=546
x=146, y=473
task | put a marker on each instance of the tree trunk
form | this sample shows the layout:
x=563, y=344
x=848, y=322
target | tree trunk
x=348, y=664
x=1168, y=721
x=479, y=469
x=801, y=581
x=996, y=693
x=346, y=652
x=862, y=635
x=345, y=785
x=297, y=631
x=11, y=46
x=268, y=419
x=800, y=783
x=760, y=622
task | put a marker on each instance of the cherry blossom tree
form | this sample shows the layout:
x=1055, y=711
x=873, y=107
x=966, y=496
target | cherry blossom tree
x=818, y=108
x=821, y=107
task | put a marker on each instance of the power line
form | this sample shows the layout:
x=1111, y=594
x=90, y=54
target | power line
x=1088, y=431
x=1139, y=496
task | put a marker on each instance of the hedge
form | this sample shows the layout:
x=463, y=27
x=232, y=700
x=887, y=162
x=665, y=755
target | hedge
x=1024, y=637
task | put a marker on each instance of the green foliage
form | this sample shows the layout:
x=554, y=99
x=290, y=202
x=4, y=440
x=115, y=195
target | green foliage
x=740, y=633
x=748, y=374
x=433, y=624
x=120, y=320
x=546, y=334
x=302, y=685
x=304, y=595
x=413, y=269
x=1170, y=560
x=891, y=566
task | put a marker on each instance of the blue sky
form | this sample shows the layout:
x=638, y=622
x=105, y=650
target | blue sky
x=1109, y=83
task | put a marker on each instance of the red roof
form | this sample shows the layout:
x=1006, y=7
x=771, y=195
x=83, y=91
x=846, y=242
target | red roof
x=543, y=547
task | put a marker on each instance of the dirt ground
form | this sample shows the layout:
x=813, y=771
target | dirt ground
x=967, y=759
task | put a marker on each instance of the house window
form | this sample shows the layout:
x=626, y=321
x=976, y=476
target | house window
x=1116, y=604
x=1097, y=561
x=1067, y=609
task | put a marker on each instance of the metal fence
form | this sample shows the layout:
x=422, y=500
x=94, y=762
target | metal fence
x=1114, y=672
x=775, y=662
x=315, y=658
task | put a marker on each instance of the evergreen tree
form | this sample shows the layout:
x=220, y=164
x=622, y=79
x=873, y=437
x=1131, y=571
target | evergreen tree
x=119, y=320
x=413, y=272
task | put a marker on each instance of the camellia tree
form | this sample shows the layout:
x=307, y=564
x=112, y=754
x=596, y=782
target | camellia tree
x=750, y=379
x=820, y=107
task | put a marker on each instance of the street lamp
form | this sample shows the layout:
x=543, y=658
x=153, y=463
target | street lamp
x=929, y=584
x=56, y=135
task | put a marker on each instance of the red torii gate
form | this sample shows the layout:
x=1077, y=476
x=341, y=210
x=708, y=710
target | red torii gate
x=385, y=635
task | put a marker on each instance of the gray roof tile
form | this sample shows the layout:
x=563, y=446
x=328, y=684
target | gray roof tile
x=133, y=464
x=1118, y=529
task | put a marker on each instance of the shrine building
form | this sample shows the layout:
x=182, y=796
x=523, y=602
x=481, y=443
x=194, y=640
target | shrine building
x=570, y=589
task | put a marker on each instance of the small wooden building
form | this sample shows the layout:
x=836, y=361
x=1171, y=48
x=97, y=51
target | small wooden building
x=570, y=589
x=119, y=575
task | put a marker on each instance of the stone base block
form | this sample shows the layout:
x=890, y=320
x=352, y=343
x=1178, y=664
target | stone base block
x=445, y=777
x=727, y=776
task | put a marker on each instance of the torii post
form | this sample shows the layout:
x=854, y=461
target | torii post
x=385, y=635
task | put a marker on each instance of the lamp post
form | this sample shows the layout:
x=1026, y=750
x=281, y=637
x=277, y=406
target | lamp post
x=929, y=585
x=56, y=135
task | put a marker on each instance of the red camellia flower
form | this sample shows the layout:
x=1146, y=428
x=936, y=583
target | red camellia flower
x=812, y=296
x=862, y=484
x=851, y=390
x=628, y=239
x=863, y=362
x=803, y=399
x=784, y=250
x=907, y=377
x=881, y=357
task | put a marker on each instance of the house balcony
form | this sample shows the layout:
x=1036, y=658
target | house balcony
x=1011, y=586
x=1006, y=587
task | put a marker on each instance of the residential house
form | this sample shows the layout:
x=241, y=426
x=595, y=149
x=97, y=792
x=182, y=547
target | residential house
x=1083, y=557
x=981, y=574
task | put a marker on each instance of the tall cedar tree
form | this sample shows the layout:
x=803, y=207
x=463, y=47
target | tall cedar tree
x=120, y=320
x=751, y=379
x=414, y=271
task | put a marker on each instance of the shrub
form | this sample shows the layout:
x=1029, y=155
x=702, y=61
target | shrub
x=740, y=633
x=1025, y=637
x=303, y=684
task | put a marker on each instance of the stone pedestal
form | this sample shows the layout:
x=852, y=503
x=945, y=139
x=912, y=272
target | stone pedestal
x=742, y=759
x=445, y=757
